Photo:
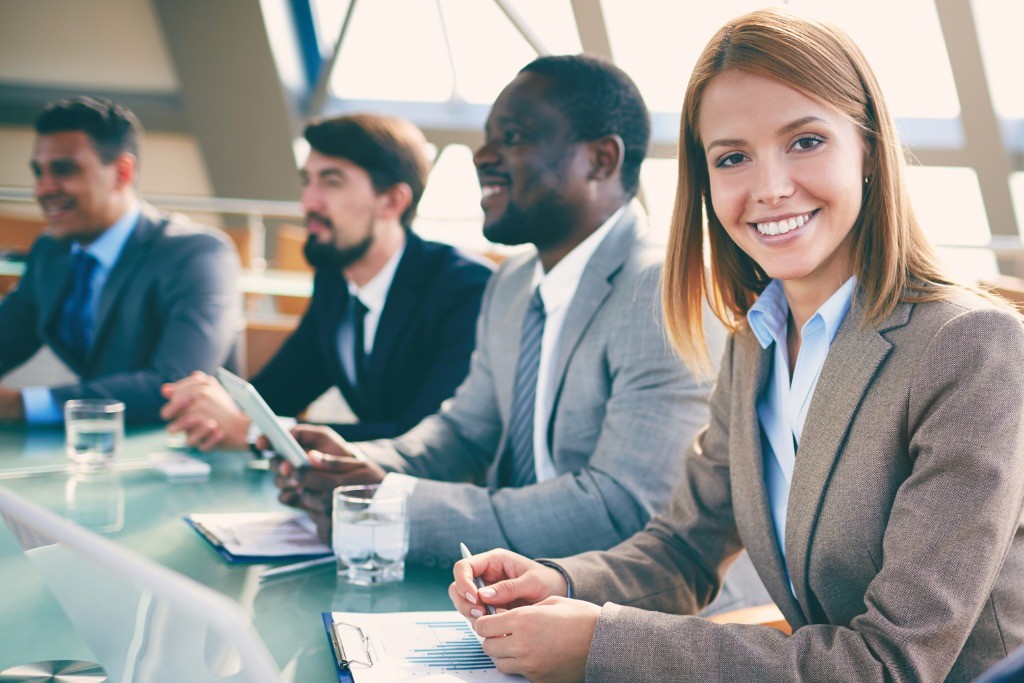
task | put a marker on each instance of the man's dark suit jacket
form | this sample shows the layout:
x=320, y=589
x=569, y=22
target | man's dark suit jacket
x=169, y=306
x=420, y=352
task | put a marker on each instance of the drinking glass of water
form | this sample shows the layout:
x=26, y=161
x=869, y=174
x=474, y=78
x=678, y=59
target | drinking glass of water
x=95, y=431
x=371, y=534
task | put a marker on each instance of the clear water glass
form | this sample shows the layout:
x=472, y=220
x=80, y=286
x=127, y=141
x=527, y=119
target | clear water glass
x=94, y=430
x=371, y=535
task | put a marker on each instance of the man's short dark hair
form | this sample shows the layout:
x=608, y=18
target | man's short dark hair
x=390, y=150
x=113, y=128
x=599, y=99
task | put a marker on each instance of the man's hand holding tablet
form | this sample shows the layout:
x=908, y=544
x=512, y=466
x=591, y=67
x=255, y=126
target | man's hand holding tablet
x=253, y=405
x=332, y=462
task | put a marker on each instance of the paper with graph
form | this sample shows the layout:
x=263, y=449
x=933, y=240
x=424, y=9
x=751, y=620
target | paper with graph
x=410, y=646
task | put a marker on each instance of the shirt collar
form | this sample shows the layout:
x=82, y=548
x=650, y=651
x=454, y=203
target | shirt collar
x=769, y=314
x=107, y=248
x=375, y=292
x=559, y=286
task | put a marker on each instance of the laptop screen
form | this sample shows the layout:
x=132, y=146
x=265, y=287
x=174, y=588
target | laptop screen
x=142, y=621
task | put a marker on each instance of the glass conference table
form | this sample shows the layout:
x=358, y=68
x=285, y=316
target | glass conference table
x=285, y=610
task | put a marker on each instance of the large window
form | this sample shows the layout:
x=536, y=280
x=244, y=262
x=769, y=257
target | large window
x=442, y=62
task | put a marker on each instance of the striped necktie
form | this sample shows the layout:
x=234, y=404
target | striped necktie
x=519, y=463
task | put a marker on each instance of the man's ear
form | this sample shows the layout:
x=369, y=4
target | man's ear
x=392, y=202
x=125, y=167
x=606, y=155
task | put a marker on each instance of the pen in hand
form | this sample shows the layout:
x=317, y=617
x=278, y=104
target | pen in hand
x=476, y=579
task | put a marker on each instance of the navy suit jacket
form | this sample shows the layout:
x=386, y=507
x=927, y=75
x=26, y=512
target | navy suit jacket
x=170, y=306
x=420, y=352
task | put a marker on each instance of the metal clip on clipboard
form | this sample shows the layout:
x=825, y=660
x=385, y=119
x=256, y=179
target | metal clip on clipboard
x=340, y=653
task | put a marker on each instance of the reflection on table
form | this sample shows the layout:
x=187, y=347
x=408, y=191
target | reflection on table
x=142, y=511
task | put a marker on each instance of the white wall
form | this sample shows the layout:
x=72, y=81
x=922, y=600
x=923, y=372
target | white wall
x=171, y=163
x=112, y=44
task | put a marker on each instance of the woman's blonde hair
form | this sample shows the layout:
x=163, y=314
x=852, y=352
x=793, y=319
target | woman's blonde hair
x=892, y=258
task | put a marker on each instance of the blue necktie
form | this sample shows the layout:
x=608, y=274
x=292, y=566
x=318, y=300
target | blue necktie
x=519, y=464
x=76, y=324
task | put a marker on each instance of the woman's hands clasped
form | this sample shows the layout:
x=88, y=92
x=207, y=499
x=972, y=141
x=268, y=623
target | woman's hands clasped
x=537, y=632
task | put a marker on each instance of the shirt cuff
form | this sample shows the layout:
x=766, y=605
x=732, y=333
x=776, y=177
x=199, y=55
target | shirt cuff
x=254, y=432
x=396, y=484
x=40, y=406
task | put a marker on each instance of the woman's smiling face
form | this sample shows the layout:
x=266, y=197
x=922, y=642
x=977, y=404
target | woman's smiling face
x=786, y=176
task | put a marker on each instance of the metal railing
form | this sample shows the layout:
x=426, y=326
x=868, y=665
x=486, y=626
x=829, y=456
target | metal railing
x=253, y=210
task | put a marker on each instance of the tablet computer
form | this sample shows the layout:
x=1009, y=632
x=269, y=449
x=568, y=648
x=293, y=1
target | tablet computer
x=253, y=405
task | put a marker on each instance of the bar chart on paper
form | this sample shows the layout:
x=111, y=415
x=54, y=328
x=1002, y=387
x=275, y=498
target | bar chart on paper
x=414, y=646
x=450, y=646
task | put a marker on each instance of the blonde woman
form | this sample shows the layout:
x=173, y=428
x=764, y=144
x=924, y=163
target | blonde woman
x=866, y=443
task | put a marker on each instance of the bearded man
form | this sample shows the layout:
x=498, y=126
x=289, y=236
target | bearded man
x=392, y=319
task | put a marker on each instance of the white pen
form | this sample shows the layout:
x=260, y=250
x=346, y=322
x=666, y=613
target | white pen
x=476, y=579
x=297, y=567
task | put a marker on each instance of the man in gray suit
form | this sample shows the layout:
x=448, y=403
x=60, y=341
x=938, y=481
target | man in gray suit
x=569, y=431
x=127, y=298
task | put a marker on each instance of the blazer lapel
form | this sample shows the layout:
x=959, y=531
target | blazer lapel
x=852, y=362
x=401, y=302
x=594, y=287
x=133, y=255
x=749, y=483
x=353, y=395
x=53, y=298
x=503, y=344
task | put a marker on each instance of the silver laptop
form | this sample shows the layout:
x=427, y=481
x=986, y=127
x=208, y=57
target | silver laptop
x=143, y=622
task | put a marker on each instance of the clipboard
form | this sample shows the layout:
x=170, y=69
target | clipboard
x=253, y=405
x=342, y=664
x=229, y=547
x=408, y=646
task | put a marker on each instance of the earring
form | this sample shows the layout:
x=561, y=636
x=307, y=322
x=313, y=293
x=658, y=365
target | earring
x=867, y=180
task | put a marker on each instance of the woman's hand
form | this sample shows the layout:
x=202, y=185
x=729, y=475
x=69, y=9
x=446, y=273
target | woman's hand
x=511, y=580
x=547, y=642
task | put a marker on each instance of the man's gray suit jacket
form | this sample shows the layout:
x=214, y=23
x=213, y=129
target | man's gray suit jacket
x=171, y=305
x=624, y=411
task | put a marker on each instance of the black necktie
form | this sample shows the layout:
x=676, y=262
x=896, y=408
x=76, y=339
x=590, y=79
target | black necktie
x=358, y=317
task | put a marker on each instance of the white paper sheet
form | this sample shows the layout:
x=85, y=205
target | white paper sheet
x=271, y=534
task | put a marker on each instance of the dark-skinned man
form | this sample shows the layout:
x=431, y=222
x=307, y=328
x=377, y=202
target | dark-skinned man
x=569, y=431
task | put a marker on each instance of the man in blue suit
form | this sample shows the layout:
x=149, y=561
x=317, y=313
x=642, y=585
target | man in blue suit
x=392, y=319
x=126, y=297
